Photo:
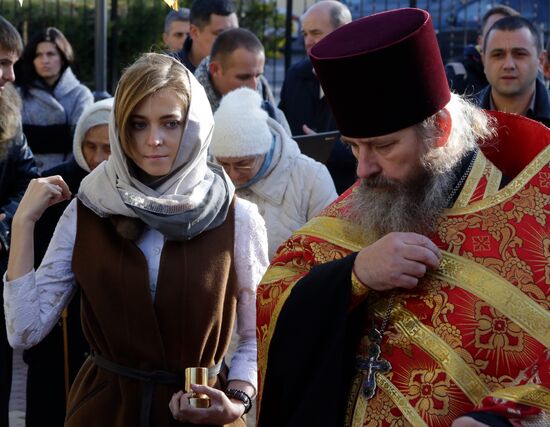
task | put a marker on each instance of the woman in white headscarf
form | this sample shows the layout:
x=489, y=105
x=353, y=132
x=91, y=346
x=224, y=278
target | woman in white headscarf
x=166, y=259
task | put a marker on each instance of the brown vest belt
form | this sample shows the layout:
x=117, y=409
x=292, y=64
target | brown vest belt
x=149, y=379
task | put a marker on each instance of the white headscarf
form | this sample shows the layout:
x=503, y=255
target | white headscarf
x=193, y=197
x=95, y=115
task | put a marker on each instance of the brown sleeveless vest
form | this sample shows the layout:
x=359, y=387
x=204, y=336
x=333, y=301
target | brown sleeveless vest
x=189, y=324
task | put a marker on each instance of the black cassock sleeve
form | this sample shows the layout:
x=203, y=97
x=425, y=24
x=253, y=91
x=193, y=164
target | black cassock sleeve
x=311, y=358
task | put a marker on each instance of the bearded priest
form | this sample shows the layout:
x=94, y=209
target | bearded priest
x=421, y=296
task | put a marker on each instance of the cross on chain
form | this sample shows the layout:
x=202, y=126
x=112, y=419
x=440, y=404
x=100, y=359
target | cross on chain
x=371, y=366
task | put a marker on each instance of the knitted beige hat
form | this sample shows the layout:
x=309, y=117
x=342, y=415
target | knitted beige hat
x=240, y=126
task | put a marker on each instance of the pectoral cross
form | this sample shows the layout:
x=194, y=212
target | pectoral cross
x=372, y=365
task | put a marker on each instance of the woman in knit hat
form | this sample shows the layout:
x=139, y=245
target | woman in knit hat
x=47, y=378
x=166, y=258
x=266, y=166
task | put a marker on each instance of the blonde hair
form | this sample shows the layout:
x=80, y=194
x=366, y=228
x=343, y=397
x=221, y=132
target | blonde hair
x=10, y=117
x=151, y=73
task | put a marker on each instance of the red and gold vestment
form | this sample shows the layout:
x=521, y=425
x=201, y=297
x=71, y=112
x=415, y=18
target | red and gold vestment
x=467, y=335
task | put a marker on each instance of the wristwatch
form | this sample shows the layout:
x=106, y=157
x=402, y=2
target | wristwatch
x=241, y=396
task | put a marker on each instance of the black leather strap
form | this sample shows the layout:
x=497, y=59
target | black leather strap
x=242, y=396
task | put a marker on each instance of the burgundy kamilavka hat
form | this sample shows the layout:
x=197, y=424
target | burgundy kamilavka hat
x=382, y=73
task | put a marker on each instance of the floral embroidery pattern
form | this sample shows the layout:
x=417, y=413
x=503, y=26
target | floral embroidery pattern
x=450, y=333
x=271, y=294
x=495, y=331
x=498, y=222
x=482, y=243
x=379, y=410
x=340, y=207
x=497, y=383
x=531, y=202
x=325, y=253
x=429, y=391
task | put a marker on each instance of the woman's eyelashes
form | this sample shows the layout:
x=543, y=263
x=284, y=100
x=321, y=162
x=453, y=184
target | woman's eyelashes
x=142, y=125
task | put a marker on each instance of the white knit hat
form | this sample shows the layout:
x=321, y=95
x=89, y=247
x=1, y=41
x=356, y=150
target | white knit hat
x=240, y=126
x=95, y=115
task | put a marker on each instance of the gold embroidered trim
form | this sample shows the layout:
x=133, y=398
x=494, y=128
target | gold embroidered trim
x=262, y=364
x=472, y=181
x=497, y=292
x=493, y=181
x=358, y=289
x=528, y=394
x=405, y=321
x=334, y=230
x=358, y=419
x=358, y=403
x=517, y=184
x=400, y=401
x=276, y=273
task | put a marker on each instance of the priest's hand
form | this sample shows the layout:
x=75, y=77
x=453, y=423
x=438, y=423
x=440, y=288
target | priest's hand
x=397, y=260
x=467, y=422
x=222, y=410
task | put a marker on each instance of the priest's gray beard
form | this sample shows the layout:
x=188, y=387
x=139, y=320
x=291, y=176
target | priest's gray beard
x=381, y=205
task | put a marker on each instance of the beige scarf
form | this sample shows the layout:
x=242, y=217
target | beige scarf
x=192, y=198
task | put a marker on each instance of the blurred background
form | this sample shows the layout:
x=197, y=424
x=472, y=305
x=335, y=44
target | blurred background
x=135, y=26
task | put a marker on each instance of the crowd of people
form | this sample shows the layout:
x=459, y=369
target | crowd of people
x=176, y=225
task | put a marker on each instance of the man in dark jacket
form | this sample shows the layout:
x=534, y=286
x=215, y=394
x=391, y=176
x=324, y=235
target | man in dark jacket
x=237, y=60
x=302, y=99
x=209, y=18
x=513, y=57
x=176, y=29
x=17, y=168
x=466, y=77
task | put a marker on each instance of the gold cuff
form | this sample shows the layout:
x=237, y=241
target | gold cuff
x=358, y=289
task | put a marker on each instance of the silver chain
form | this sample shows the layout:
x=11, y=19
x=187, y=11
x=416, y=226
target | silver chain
x=387, y=314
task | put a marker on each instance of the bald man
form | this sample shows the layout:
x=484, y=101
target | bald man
x=302, y=99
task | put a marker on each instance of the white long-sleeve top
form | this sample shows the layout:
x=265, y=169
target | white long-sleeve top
x=34, y=302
